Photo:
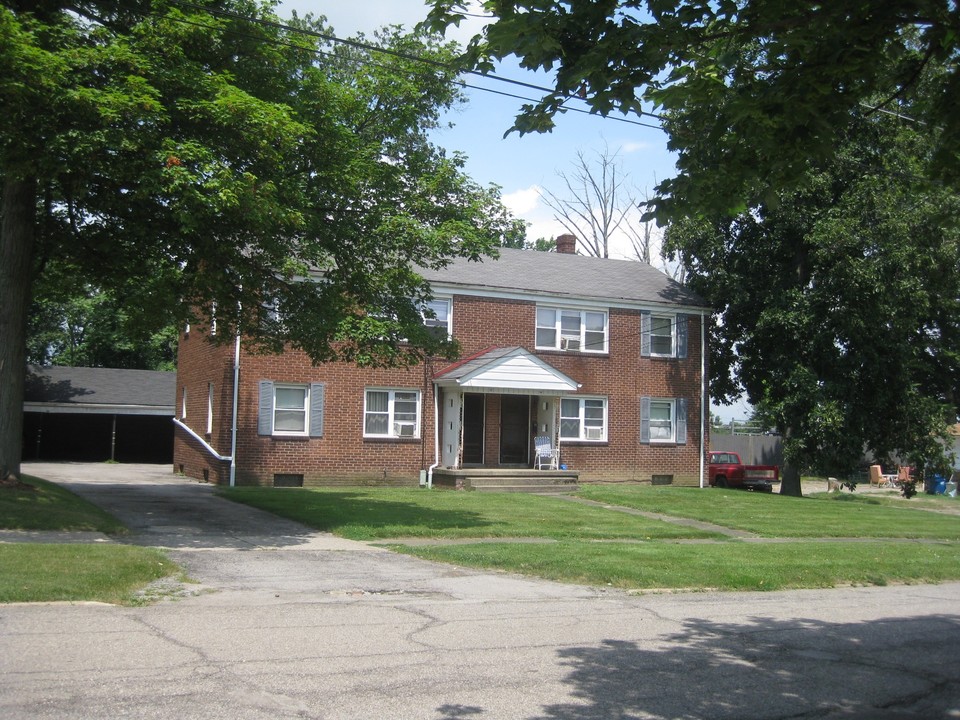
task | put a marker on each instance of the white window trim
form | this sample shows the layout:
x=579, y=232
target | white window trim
x=581, y=417
x=672, y=319
x=391, y=400
x=449, y=303
x=558, y=333
x=306, y=410
x=673, y=421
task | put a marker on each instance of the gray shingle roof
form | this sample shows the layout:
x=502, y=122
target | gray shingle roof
x=101, y=386
x=563, y=275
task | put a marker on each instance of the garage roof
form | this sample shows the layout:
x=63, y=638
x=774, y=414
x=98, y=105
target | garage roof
x=99, y=390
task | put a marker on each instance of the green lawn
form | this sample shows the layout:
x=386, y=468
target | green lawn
x=51, y=507
x=31, y=572
x=719, y=566
x=772, y=515
x=378, y=513
x=104, y=572
x=601, y=546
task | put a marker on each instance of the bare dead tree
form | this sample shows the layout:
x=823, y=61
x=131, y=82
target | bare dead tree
x=642, y=234
x=596, y=204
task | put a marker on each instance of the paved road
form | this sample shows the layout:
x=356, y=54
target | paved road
x=296, y=624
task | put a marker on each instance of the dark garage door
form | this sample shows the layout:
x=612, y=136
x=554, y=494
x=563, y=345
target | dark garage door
x=87, y=438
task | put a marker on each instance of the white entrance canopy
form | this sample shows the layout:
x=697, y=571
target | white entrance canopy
x=506, y=370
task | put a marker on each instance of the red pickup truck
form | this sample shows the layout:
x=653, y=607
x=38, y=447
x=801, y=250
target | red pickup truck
x=726, y=470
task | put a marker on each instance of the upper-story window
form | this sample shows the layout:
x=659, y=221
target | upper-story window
x=663, y=335
x=441, y=321
x=572, y=330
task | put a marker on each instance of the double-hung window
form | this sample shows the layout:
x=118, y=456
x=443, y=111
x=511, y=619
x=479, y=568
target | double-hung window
x=579, y=330
x=291, y=409
x=663, y=420
x=583, y=419
x=441, y=319
x=391, y=413
x=663, y=336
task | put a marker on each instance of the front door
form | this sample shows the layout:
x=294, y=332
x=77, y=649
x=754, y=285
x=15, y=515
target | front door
x=473, y=425
x=514, y=429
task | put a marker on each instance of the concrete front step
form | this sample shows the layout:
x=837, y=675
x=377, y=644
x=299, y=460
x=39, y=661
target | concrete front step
x=528, y=488
x=508, y=480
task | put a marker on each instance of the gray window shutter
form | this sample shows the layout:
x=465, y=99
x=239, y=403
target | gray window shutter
x=316, y=409
x=644, y=334
x=645, y=420
x=265, y=417
x=681, y=336
x=681, y=421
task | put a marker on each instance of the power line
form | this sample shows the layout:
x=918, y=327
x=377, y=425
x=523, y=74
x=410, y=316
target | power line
x=404, y=56
x=461, y=83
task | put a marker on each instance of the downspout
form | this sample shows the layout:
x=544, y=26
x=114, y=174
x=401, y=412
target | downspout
x=436, y=436
x=206, y=446
x=704, y=394
x=233, y=423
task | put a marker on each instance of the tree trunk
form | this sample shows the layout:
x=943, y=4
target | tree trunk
x=17, y=233
x=789, y=474
x=790, y=481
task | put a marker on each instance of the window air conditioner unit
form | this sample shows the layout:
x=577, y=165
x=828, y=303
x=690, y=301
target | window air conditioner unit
x=594, y=433
x=569, y=343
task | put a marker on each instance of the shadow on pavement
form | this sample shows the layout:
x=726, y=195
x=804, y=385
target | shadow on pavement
x=769, y=668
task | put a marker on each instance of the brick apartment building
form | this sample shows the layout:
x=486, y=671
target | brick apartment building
x=604, y=357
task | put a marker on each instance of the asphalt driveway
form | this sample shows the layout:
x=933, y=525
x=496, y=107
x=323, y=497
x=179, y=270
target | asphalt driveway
x=289, y=623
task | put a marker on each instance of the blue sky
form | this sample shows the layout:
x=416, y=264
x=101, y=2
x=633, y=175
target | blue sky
x=521, y=166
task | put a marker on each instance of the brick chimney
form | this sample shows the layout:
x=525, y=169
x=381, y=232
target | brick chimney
x=567, y=244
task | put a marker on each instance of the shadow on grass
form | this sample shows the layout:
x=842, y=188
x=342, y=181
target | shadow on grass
x=42, y=505
x=356, y=515
x=765, y=667
x=842, y=497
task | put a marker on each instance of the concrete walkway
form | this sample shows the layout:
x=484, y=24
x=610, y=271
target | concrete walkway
x=296, y=624
x=672, y=519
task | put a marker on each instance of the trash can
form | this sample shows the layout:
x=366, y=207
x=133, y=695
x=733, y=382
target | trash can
x=935, y=485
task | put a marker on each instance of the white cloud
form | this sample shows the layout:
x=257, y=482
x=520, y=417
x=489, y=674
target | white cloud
x=523, y=202
x=632, y=147
x=349, y=18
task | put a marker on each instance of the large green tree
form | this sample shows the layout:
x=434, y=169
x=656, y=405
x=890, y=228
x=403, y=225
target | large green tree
x=766, y=111
x=200, y=155
x=815, y=196
x=74, y=323
x=839, y=301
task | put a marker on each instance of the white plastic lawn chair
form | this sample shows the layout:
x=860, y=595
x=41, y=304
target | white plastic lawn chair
x=546, y=455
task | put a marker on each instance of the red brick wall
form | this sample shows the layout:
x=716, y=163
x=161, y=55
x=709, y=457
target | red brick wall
x=343, y=455
x=200, y=362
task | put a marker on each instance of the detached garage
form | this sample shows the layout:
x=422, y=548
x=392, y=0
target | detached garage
x=98, y=414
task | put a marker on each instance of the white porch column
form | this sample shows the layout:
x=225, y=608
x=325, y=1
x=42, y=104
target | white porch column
x=547, y=412
x=452, y=412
